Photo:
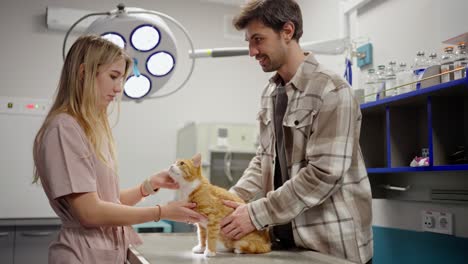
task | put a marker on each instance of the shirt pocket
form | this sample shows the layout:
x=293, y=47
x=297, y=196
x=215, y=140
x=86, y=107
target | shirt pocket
x=300, y=118
x=298, y=128
x=266, y=131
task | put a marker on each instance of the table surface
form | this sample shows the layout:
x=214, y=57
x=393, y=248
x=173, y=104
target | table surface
x=177, y=248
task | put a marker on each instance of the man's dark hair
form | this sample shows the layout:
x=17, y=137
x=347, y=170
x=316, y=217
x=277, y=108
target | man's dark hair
x=272, y=13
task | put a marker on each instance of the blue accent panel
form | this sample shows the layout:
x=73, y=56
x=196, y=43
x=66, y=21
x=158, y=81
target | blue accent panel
x=367, y=50
x=387, y=129
x=348, y=75
x=429, y=132
x=460, y=167
x=408, y=247
x=136, y=72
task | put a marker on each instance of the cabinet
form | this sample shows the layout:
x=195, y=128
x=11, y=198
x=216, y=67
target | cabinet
x=394, y=130
x=7, y=240
x=27, y=241
x=226, y=167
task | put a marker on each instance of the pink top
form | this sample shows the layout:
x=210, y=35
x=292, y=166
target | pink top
x=67, y=164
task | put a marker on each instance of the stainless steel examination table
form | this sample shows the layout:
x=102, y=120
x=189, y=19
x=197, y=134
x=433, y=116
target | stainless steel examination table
x=176, y=248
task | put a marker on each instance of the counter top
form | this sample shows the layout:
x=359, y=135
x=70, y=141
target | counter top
x=177, y=248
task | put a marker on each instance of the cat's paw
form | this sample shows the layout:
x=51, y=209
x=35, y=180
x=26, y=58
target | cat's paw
x=209, y=253
x=198, y=249
x=238, y=251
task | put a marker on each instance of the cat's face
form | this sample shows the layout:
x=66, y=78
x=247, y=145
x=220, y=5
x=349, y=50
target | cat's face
x=186, y=170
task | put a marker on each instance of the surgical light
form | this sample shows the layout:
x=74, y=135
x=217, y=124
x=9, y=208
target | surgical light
x=148, y=40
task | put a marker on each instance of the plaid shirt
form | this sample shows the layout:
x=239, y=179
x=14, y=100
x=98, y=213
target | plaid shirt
x=328, y=198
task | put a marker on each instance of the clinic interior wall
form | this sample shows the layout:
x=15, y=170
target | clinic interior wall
x=398, y=29
x=220, y=90
x=223, y=90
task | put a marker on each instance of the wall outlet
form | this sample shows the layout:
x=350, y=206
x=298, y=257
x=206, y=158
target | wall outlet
x=437, y=222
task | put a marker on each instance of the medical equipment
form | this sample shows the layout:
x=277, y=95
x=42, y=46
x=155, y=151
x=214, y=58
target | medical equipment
x=153, y=48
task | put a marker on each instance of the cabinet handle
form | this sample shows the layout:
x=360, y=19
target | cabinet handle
x=395, y=188
x=4, y=234
x=36, y=234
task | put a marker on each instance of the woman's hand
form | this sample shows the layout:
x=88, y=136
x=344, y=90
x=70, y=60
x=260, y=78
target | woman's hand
x=163, y=180
x=181, y=212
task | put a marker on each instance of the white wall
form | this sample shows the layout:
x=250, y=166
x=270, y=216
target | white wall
x=224, y=90
x=220, y=90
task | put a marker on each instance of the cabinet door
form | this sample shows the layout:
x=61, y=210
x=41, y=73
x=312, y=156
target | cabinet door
x=7, y=238
x=32, y=243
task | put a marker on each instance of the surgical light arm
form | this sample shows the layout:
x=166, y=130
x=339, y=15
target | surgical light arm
x=327, y=47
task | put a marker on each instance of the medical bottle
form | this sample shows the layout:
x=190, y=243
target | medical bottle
x=433, y=61
x=370, y=86
x=404, y=76
x=461, y=60
x=390, y=79
x=419, y=67
x=446, y=64
x=380, y=84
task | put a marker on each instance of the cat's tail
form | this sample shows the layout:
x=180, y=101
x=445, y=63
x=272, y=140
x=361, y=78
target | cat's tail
x=252, y=247
x=255, y=244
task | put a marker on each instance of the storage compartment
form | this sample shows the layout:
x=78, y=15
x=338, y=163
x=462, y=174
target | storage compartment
x=425, y=186
x=450, y=130
x=408, y=133
x=373, y=139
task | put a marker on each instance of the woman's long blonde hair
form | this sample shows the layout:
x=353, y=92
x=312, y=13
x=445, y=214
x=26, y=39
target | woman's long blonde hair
x=77, y=94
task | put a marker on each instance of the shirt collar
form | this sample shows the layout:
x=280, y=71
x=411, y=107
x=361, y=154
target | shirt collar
x=308, y=66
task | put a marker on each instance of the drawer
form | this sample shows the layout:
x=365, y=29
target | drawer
x=32, y=243
x=7, y=240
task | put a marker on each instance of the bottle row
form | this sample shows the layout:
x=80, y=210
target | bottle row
x=391, y=80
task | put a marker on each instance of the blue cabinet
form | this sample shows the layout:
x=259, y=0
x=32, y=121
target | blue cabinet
x=396, y=129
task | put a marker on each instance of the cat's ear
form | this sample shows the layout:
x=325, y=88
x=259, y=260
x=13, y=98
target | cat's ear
x=196, y=160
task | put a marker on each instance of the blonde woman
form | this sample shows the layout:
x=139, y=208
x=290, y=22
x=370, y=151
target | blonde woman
x=74, y=157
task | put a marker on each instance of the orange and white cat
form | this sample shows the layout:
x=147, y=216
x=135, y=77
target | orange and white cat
x=194, y=187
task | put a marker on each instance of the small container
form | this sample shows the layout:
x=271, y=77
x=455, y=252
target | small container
x=446, y=64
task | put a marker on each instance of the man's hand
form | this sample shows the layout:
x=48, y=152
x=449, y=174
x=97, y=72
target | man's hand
x=237, y=224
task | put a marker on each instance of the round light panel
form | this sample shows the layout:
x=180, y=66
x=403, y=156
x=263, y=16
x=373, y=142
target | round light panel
x=145, y=38
x=115, y=38
x=160, y=63
x=137, y=87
